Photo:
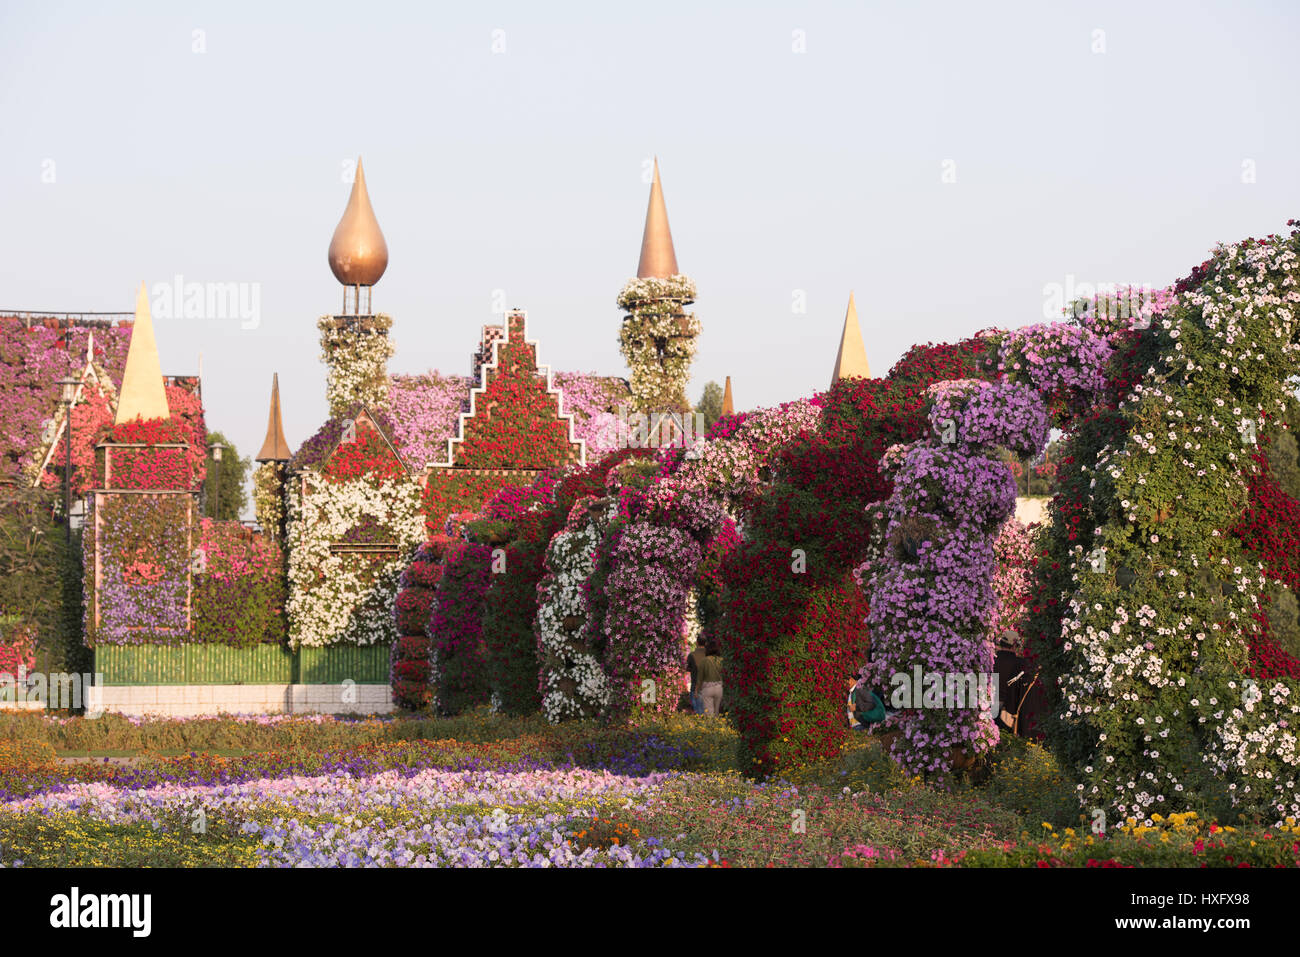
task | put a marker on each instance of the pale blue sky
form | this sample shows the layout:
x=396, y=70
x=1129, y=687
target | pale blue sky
x=521, y=170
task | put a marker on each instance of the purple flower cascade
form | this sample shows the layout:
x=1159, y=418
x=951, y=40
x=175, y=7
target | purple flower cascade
x=930, y=584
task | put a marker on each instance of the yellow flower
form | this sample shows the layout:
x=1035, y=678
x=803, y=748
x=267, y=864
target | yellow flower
x=1046, y=825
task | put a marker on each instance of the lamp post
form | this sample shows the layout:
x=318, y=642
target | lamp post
x=217, y=449
x=68, y=394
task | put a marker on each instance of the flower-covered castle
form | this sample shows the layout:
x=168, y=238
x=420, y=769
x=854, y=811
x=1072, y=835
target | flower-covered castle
x=401, y=454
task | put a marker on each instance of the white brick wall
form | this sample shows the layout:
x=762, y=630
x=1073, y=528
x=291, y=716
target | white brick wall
x=193, y=700
x=22, y=705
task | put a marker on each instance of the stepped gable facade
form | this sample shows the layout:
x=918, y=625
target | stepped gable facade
x=514, y=428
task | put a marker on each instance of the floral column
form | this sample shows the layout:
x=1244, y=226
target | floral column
x=658, y=340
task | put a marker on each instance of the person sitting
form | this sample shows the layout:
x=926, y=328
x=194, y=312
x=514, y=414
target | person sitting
x=868, y=708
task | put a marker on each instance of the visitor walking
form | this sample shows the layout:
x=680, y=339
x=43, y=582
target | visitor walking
x=710, y=676
x=693, y=661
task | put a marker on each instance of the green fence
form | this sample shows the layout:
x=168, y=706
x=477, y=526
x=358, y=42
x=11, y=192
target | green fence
x=258, y=665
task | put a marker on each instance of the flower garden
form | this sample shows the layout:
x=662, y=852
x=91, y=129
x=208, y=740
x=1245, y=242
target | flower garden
x=534, y=590
x=487, y=790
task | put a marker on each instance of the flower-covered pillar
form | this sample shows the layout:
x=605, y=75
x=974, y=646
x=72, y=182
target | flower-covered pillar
x=1147, y=603
x=930, y=585
x=658, y=337
x=355, y=350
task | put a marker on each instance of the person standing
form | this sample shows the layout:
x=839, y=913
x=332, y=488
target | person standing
x=693, y=661
x=710, y=677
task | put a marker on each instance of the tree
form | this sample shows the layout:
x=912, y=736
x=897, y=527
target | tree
x=234, y=476
x=710, y=404
x=40, y=579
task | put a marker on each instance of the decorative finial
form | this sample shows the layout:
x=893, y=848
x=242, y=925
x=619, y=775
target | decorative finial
x=142, y=392
x=658, y=260
x=275, y=448
x=851, y=360
x=358, y=253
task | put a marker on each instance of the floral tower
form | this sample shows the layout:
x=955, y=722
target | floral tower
x=268, y=480
x=658, y=336
x=140, y=535
x=352, y=506
x=354, y=344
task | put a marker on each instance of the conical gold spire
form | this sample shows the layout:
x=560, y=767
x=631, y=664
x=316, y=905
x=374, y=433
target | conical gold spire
x=142, y=392
x=728, y=407
x=658, y=259
x=275, y=448
x=358, y=252
x=851, y=360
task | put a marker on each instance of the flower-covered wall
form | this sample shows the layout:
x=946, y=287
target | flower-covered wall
x=425, y=411
x=354, y=518
x=138, y=562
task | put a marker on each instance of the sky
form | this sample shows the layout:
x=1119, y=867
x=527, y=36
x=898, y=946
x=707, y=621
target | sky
x=953, y=164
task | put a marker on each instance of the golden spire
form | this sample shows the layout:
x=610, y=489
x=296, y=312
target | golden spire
x=358, y=253
x=728, y=407
x=851, y=360
x=142, y=392
x=657, y=257
x=276, y=447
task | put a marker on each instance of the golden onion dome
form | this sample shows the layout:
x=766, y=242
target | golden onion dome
x=358, y=253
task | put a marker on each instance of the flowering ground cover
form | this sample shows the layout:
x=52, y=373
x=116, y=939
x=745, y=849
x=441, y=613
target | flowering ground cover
x=491, y=790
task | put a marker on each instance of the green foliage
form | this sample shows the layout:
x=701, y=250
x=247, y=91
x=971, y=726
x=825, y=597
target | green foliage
x=1026, y=778
x=1284, y=451
x=40, y=577
x=234, y=470
x=1284, y=618
x=67, y=839
x=710, y=404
